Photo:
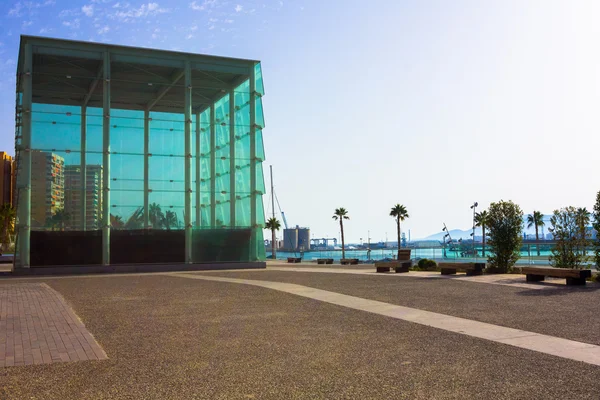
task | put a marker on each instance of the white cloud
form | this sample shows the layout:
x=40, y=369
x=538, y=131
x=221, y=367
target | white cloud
x=88, y=10
x=68, y=13
x=16, y=10
x=103, y=30
x=205, y=4
x=25, y=24
x=189, y=36
x=143, y=11
x=238, y=8
x=194, y=28
x=72, y=24
x=210, y=28
x=228, y=21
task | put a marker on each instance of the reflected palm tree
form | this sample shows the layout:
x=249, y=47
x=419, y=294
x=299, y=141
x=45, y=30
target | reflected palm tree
x=136, y=220
x=156, y=216
x=116, y=221
x=170, y=219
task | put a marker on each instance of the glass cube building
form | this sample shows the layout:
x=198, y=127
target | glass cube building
x=129, y=155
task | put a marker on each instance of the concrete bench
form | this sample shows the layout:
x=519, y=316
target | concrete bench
x=292, y=260
x=324, y=260
x=573, y=276
x=398, y=266
x=349, y=261
x=472, y=269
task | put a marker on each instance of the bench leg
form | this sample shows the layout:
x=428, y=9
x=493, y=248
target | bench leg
x=575, y=281
x=534, y=278
x=383, y=269
x=446, y=271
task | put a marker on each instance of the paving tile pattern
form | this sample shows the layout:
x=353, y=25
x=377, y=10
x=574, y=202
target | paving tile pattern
x=37, y=326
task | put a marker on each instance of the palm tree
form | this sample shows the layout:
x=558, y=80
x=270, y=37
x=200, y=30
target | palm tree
x=341, y=214
x=481, y=219
x=155, y=215
x=7, y=221
x=170, y=219
x=536, y=219
x=274, y=225
x=582, y=217
x=399, y=212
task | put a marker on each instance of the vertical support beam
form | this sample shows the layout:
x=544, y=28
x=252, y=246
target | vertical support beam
x=213, y=164
x=146, y=169
x=83, y=169
x=188, y=163
x=253, y=194
x=106, y=162
x=198, y=197
x=25, y=155
x=232, y=158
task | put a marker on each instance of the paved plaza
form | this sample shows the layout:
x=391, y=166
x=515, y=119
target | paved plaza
x=306, y=332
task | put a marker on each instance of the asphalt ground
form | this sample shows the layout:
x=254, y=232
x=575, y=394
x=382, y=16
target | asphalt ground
x=557, y=310
x=176, y=338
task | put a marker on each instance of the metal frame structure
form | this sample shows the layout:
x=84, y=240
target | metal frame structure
x=69, y=73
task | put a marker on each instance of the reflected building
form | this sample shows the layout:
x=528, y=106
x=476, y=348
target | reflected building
x=47, y=187
x=75, y=193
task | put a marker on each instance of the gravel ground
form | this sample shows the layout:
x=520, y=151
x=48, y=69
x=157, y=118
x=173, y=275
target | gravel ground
x=567, y=312
x=176, y=338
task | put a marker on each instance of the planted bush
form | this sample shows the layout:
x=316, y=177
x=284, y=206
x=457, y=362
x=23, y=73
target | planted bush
x=505, y=225
x=426, y=264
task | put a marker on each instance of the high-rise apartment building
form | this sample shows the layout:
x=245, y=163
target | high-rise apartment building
x=93, y=198
x=47, y=186
x=7, y=177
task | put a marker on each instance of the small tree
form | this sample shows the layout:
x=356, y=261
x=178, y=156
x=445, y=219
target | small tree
x=505, y=225
x=596, y=226
x=273, y=225
x=566, y=232
x=400, y=214
x=341, y=214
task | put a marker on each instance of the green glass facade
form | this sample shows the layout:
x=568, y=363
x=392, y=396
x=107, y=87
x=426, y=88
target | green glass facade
x=129, y=155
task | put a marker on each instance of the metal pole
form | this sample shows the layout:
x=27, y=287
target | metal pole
x=188, y=163
x=198, y=198
x=253, y=194
x=83, y=169
x=213, y=183
x=25, y=206
x=232, y=193
x=146, y=169
x=106, y=162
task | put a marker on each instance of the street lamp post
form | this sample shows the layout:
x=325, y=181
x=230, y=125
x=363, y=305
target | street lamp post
x=473, y=207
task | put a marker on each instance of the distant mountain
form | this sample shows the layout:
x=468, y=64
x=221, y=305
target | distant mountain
x=454, y=233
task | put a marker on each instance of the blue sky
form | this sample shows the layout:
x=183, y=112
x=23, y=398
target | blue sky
x=432, y=104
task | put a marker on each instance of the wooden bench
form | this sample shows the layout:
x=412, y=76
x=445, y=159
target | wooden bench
x=398, y=266
x=573, y=276
x=292, y=260
x=472, y=269
x=347, y=261
x=324, y=260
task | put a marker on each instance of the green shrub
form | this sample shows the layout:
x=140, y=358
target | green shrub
x=425, y=264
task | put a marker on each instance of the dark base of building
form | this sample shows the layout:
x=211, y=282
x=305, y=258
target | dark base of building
x=130, y=268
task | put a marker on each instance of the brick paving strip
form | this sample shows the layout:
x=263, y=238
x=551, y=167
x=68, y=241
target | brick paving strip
x=570, y=349
x=37, y=326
